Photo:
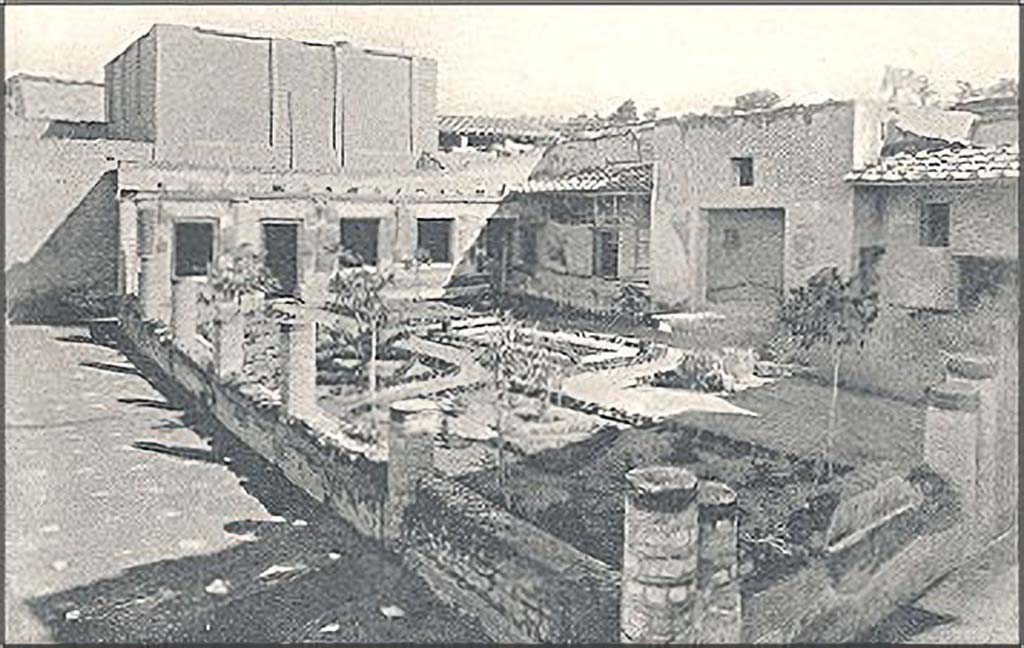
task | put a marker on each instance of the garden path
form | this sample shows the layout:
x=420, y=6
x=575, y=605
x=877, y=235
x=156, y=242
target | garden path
x=470, y=372
x=617, y=388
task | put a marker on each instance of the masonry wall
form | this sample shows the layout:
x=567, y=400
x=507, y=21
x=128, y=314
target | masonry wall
x=520, y=582
x=130, y=91
x=208, y=98
x=800, y=156
x=44, y=98
x=239, y=221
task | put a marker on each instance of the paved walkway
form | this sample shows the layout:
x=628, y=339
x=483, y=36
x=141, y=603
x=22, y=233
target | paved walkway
x=616, y=388
x=470, y=372
x=129, y=521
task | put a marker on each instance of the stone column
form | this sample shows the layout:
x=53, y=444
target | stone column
x=127, y=232
x=228, y=341
x=951, y=436
x=414, y=424
x=981, y=373
x=659, y=561
x=184, y=310
x=154, y=264
x=298, y=356
x=718, y=565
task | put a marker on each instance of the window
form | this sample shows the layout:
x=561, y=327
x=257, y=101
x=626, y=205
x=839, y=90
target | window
x=193, y=249
x=744, y=169
x=731, y=238
x=359, y=240
x=606, y=254
x=934, y=230
x=434, y=238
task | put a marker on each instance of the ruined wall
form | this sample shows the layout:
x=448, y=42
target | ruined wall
x=46, y=98
x=800, y=156
x=521, y=583
x=329, y=467
x=45, y=180
x=79, y=256
x=239, y=221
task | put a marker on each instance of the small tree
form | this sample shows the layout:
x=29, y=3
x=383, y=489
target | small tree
x=357, y=293
x=501, y=355
x=241, y=271
x=624, y=114
x=835, y=312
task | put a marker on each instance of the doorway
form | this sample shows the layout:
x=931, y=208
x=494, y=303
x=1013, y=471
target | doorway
x=281, y=244
x=745, y=254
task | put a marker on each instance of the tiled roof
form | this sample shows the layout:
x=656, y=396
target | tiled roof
x=953, y=164
x=616, y=178
x=482, y=125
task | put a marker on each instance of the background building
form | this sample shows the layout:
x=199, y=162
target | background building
x=211, y=98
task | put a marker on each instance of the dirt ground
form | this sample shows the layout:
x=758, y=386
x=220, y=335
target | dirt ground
x=123, y=513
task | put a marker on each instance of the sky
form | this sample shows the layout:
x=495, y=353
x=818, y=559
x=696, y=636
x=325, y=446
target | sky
x=564, y=60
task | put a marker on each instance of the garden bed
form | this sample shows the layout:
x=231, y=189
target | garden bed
x=577, y=493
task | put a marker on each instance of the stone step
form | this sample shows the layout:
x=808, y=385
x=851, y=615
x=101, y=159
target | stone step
x=955, y=394
x=971, y=367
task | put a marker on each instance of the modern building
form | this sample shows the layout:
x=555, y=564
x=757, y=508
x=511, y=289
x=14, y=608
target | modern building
x=212, y=98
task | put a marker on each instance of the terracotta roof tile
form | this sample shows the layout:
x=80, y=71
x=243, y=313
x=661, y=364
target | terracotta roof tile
x=483, y=125
x=956, y=164
x=613, y=178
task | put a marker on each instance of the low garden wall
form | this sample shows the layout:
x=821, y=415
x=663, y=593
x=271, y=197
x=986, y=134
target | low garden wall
x=520, y=582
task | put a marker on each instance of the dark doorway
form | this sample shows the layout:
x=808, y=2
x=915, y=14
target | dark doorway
x=193, y=249
x=434, y=239
x=606, y=254
x=281, y=244
x=359, y=237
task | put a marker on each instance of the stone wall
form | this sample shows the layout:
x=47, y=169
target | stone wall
x=522, y=584
x=322, y=457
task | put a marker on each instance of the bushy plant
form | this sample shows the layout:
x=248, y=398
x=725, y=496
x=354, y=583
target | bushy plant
x=834, y=312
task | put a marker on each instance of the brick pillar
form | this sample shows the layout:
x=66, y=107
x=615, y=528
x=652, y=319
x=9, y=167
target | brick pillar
x=185, y=310
x=413, y=426
x=298, y=357
x=228, y=340
x=659, y=559
x=718, y=565
x=952, y=421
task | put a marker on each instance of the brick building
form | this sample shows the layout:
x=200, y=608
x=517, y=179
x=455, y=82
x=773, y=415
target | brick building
x=737, y=207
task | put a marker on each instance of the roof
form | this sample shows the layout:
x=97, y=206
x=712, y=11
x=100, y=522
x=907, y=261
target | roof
x=482, y=125
x=638, y=178
x=952, y=164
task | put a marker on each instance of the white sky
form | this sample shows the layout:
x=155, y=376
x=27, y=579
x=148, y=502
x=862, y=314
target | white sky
x=510, y=60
